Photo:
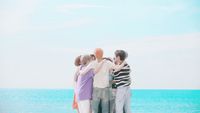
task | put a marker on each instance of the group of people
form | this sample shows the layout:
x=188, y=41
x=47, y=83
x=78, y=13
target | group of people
x=102, y=85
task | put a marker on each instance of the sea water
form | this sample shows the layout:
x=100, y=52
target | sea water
x=60, y=101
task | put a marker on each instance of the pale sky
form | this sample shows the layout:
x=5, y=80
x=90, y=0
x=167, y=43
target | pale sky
x=39, y=40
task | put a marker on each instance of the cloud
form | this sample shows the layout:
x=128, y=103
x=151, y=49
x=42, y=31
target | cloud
x=70, y=7
x=173, y=8
x=68, y=24
x=158, y=9
x=152, y=45
x=15, y=18
x=142, y=46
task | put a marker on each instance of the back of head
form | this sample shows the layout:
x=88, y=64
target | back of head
x=92, y=57
x=122, y=54
x=77, y=61
x=85, y=59
x=98, y=53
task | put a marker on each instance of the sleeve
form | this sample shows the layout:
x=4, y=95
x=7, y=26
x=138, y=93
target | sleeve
x=90, y=66
x=93, y=74
x=110, y=65
x=76, y=74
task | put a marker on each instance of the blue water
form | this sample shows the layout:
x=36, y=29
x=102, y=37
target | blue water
x=59, y=101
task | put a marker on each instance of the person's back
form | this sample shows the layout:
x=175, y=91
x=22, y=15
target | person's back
x=101, y=90
x=100, y=85
x=101, y=79
x=85, y=85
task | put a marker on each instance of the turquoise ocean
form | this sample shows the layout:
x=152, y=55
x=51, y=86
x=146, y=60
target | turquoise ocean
x=60, y=101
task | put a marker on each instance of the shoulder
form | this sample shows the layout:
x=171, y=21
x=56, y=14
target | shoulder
x=126, y=65
x=92, y=64
x=78, y=68
x=108, y=62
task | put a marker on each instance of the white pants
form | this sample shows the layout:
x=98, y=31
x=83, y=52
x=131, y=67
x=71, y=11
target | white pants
x=84, y=106
x=123, y=100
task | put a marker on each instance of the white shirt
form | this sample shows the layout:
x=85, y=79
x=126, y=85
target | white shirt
x=101, y=79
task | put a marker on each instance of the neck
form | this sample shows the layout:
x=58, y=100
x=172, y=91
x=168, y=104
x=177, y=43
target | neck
x=84, y=65
x=99, y=60
x=120, y=62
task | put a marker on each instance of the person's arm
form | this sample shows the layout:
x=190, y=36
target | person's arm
x=76, y=74
x=86, y=69
x=99, y=67
x=75, y=77
x=118, y=67
x=91, y=66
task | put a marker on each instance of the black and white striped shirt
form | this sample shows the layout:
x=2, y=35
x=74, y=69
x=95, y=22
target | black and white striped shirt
x=122, y=77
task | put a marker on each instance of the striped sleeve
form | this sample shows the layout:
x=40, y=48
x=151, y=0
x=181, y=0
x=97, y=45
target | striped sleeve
x=122, y=77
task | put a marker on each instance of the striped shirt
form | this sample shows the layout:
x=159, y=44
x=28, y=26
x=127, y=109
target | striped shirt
x=122, y=77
